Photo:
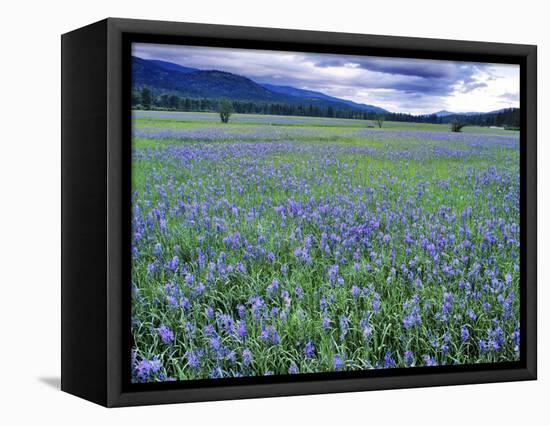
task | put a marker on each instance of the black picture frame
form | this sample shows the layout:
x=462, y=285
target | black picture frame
x=96, y=143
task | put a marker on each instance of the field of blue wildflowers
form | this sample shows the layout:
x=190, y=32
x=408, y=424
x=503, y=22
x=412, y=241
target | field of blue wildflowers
x=291, y=245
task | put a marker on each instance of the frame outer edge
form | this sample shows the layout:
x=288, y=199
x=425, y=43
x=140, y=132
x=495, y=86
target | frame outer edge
x=83, y=253
x=531, y=213
x=115, y=225
x=116, y=396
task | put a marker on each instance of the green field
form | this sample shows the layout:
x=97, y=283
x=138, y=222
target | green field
x=283, y=245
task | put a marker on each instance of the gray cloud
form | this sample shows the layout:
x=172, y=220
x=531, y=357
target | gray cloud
x=509, y=97
x=400, y=66
x=394, y=83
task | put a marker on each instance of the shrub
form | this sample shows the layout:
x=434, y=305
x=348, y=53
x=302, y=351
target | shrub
x=456, y=125
x=226, y=109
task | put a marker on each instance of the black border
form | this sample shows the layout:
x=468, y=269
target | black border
x=122, y=33
x=83, y=200
x=128, y=40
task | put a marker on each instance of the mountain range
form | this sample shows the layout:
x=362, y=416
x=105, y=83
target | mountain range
x=163, y=77
x=168, y=78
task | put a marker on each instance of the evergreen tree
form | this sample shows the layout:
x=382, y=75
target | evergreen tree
x=225, y=110
x=146, y=98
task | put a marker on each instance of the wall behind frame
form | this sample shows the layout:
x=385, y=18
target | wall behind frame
x=30, y=175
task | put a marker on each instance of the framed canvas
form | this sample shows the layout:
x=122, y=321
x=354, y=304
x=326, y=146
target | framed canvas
x=256, y=212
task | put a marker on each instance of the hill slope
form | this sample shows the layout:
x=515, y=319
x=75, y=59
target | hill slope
x=315, y=97
x=168, y=78
x=171, y=66
x=204, y=84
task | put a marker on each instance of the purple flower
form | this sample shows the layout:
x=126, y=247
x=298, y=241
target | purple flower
x=273, y=287
x=515, y=339
x=184, y=303
x=344, y=327
x=241, y=310
x=408, y=357
x=145, y=369
x=240, y=268
x=166, y=334
x=496, y=339
x=508, y=278
x=447, y=303
x=429, y=361
x=231, y=357
x=193, y=359
x=337, y=362
x=199, y=289
x=367, y=332
x=241, y=329
x=293, y=369
x=464, y=334
x=189, y=279
x=210, y=312
x=247, y=357
x=507, y=306
x=375, y=303
x=309, y=350
x=333, y=273
x=264, y=334
x=388, y=360
x=215, y=343
x=151, y=267
x=173, y=263
x=275, y=338
x=482, y=345
x=412, y=313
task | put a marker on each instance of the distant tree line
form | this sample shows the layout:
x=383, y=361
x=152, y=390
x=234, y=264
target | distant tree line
x=144, y=99
x=505, y=118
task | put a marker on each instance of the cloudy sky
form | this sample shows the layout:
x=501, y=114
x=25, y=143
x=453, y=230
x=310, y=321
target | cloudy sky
x=416, y=86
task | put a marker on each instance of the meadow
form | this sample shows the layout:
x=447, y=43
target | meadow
x=282, y=245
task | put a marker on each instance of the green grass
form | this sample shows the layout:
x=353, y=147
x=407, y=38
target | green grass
x=422, y=197
x=174, y=123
